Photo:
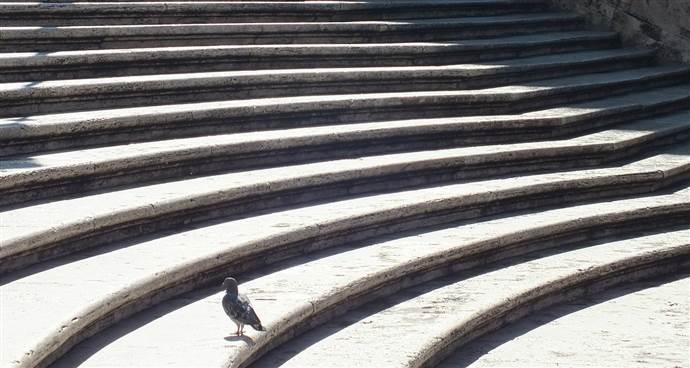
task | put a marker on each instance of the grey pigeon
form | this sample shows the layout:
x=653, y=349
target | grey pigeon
x=239, y=308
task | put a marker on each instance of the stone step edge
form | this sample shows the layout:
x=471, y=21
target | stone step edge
x=68, y=237
x=336, y=108
x=644, y=266
x=46, y=182
x=123, y=85
x=119, y=64
x=90, y=93
x=138, y=1
x=278, y=7
x=153, y=289
x=47, y=39
x=77, y=59
x=76, y=32
x=544, y=124
x=585, y=246
x=21, y=14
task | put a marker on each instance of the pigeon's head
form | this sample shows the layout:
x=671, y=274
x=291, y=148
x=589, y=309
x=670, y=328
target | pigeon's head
x=230, y=285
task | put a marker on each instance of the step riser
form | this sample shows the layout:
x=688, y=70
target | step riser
x=149, y=170
x=73, y=42
x=105, y=67
x=475, y=262
x=663, y=264
x=24, y=16
x=127, y=228
x=211, y=276
x=403, y=139
x=244, y=88
x=144, y=226
x=288, y=116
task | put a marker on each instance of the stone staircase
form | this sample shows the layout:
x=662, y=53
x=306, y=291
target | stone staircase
x=392, y=182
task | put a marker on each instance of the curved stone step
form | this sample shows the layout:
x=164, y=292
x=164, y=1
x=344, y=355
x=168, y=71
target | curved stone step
x=290, y=299
x=56, y=228
x=236, y=115
x=95, y=13
x=134, y=240
x=414, y=134
x=84, y=94
x=28, y=66
x=124, y=36
x=637, y=325
x=416, y=326
x=205, y=254
x=76, y=172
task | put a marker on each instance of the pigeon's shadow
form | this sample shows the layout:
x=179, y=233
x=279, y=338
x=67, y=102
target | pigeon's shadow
x=246, y=339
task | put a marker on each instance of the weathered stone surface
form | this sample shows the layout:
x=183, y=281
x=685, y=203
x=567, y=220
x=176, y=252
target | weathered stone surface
x=162, y=12
x=128, y=36
x=193, y=256
x=351, y=108
x=32, y=66
x=640, y=324
x=84, y=94
x=411, y=327
x=334, y=276
x=663, y=24
x=38, y=176
x=505, y=127
x=37, y=233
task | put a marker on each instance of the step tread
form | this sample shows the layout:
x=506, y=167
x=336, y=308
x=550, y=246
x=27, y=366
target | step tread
x=407, y=330
x=73, y=122
x=598, y=328
x=341, y=271
x=206, y=246
x=27, y=226
x=266, y=6
x=32, y=32
x=272, y=5
x=65, y=166
x=37, y=90
x=60, y=58
x=205, y=242
x=95, y=232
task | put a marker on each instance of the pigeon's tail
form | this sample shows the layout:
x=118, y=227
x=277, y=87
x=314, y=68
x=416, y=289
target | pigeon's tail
x=258, y=327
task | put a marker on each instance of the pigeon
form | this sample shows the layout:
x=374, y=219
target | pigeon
x=239, y=308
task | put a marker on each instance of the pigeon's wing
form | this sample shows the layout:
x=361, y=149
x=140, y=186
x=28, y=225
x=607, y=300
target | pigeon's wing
x=247, y=316
x=232, y=307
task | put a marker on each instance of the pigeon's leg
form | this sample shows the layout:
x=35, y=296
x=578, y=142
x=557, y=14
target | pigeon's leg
x=238, y=328
x=241, y=329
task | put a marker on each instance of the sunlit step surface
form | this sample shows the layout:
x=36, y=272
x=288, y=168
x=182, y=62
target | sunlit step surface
x=414, y=327
x=123, y=36
x=85, y=94
x=37, y=232
x=139, y=270
x=639, y=324
x=34, y=66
